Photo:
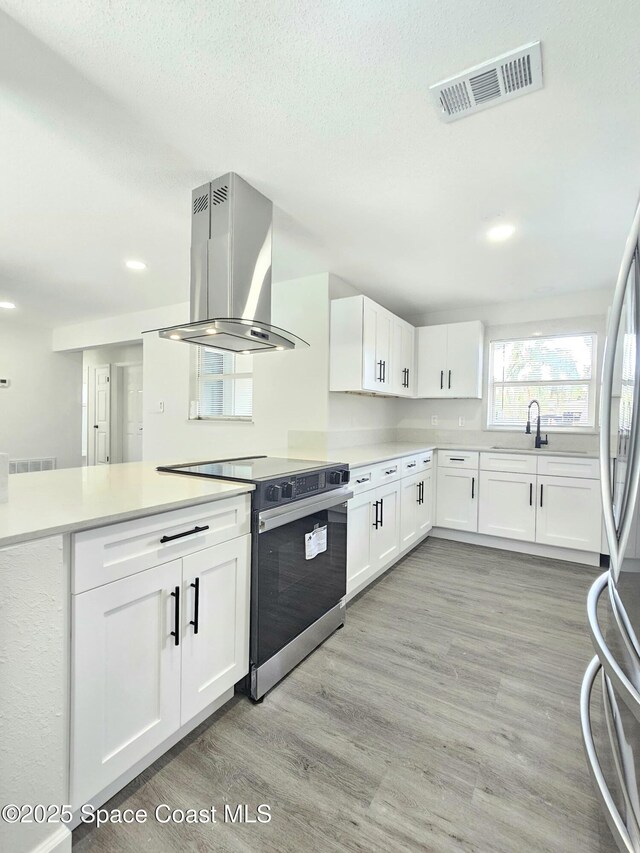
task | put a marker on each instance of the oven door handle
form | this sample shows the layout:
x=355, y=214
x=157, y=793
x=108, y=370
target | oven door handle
x=269, y=519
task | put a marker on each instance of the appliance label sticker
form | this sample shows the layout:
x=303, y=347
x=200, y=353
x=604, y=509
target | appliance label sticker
x=315, y=542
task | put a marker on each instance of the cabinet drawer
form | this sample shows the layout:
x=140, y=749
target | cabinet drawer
x=109, y=553
x=361, y=479
x=569, y=466
x=416, y=462
x=509, y=462
x=425, y=460
x=458, y=459
x=387, y=472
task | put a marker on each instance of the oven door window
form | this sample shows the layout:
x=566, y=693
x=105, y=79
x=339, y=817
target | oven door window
x=295, y=588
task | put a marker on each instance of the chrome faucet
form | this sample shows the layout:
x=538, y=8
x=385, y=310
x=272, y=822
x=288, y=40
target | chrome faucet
x=540, y=441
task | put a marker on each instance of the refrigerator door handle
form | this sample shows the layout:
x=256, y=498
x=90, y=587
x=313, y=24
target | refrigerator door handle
x=615, y=673
x=612, y=815
x=605, y=397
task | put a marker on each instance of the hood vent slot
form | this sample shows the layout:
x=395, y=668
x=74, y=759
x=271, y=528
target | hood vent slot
x=219, y=195
x=201, y=203
x=508, y=76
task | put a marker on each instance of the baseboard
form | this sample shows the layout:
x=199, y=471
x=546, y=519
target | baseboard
x=586, y=558
x=102, y=796
x=58, y=842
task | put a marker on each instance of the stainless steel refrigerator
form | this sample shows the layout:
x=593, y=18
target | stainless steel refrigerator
x=611, y=732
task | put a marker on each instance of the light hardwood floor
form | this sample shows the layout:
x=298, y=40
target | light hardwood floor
x=443, y=717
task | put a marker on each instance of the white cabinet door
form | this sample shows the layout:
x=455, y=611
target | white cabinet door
x=409, y=507
x=386, y=534
x=376, y=341
x=402, y=358
x=125, y=698
x=457, y=505
x=432, y=361
x=215, y=623
x=464, y=359
x=507, y=505
x=569, y=513
x=425, y=509
x=360, y=518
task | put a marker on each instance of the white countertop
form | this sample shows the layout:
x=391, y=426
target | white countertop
x=51, y=502
x=370, y=453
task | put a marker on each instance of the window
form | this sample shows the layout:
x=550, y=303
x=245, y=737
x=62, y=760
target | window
x=557, y=371
x=222, y=385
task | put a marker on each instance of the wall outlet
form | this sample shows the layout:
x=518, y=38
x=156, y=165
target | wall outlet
x=434, y=420
x=161, y=407
x=460, y=421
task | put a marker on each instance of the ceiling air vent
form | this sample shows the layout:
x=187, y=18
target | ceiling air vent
x=515, y=73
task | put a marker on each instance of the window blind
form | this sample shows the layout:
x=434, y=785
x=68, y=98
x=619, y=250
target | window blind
x=557, y=371
x=223, y=384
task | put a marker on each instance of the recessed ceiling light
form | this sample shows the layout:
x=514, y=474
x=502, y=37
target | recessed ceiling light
x=500, y=232
x=135, y=265
x=211, y=332
x=7, y=306
x=175, y=337
x=246, y=352
x=279, y=348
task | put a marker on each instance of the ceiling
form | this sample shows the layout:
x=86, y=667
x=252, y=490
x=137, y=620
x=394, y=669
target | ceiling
x=112, y=112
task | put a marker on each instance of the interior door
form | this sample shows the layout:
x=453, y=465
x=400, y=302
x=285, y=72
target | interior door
x=215, y=622
x=132, y=413
x=102, y=415
x=126, y=675
x=508, y=505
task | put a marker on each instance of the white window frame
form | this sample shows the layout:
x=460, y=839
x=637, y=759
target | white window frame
x=194, y=408
x=589, y=428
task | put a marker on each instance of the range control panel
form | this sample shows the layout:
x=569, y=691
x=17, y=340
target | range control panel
x=300, y=486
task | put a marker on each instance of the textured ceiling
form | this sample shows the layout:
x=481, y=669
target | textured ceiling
x=110, y=114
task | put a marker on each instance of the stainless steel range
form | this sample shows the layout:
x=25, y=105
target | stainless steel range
x=299, y=557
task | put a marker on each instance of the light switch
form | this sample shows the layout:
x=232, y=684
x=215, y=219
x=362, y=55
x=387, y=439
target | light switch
x=434, y=420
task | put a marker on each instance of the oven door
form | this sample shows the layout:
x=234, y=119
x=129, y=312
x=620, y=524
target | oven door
x=299, y=569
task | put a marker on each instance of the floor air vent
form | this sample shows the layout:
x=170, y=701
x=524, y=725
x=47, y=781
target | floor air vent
x=508, y=76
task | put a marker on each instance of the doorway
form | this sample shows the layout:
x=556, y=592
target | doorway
x=113, y=418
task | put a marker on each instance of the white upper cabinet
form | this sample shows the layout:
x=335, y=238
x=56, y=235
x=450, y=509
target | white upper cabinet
x=402, y=358
x=371, y=350
x=449, y=362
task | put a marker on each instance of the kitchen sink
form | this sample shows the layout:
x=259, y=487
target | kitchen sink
x=541, y=450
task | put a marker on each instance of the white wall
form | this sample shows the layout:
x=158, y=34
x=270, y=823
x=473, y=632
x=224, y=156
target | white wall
x=123, y=354
x=289, y=387
x=575, y=312
x=40, y=412
x=125, y=328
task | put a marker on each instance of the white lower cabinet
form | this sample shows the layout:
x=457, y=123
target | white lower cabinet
x=416, y=508
x=569, y=512
x=457, y=504
x=125, y=676
x=373, y=533
x=215, y=638
x=134, y=682
x=507, y=505
x=386, y=532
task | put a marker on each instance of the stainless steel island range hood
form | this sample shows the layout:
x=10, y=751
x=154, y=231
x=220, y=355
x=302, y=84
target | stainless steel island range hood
x=231, y=226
